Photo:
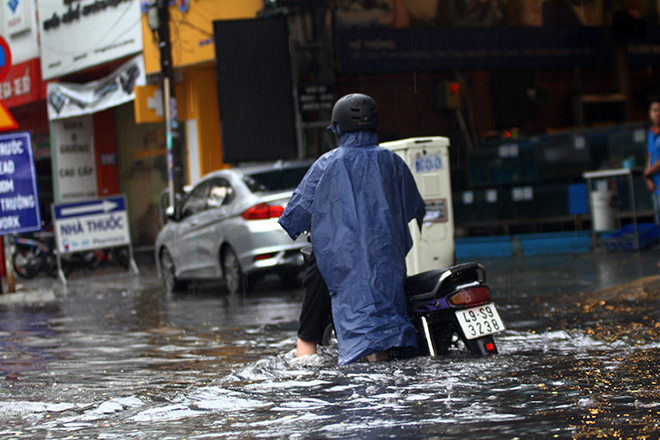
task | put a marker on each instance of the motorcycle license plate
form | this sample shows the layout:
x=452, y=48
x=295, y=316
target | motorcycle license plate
x=480, y=321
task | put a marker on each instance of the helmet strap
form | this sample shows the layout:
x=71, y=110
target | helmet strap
x=334, y=127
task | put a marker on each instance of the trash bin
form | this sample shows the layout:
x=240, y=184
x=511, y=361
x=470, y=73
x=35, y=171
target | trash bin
x=605, y=203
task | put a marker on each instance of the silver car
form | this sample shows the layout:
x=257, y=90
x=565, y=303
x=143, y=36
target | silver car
x=226, y=228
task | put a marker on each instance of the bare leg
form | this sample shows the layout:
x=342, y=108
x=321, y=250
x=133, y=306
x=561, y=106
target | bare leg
x=304, y=348
x=378, y=356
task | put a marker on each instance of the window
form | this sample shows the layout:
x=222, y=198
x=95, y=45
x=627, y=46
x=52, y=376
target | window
x=276, y=179
x=220, y=193
x=196, y=201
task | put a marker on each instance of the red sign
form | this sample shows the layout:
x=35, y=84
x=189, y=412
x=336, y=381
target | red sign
x=23, y=84
x=5, y=58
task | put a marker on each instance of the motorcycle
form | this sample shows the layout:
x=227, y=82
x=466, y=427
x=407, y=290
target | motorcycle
x=92, y=259
x=449, y=306
x=36, y=253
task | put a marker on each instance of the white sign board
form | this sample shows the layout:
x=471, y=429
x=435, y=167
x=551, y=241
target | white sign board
x=92, y=224
x=77, y=34
x=75, y=161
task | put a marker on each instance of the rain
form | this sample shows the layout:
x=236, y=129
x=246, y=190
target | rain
x=525, y=98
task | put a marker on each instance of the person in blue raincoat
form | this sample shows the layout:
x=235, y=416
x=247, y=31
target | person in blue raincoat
x=356, y=202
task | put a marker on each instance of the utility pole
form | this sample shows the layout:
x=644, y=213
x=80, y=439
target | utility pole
x=165, y=48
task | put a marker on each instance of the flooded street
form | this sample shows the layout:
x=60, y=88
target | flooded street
x=113, y=357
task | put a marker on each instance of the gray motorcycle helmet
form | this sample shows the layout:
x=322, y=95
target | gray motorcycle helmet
x=355, y=112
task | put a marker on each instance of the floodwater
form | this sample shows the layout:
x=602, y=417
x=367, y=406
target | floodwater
x=114, y=357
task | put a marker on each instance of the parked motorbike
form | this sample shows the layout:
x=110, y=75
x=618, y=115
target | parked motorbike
x=447, y=307
x=92, y=259
x=35, y=253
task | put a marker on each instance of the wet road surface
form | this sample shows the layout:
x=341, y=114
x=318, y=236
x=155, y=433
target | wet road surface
x=113, y=356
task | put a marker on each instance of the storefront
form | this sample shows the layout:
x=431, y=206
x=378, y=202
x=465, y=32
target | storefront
x=141, y=133
x=87, y=83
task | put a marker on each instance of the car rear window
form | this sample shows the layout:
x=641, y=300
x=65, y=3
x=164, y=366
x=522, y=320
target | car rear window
x=286, y=179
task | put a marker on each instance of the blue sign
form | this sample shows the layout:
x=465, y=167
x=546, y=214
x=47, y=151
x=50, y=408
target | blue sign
x=89, y=207
x=91, y=224
x=19, y=200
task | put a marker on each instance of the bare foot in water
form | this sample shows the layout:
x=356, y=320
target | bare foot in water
x=379, y=356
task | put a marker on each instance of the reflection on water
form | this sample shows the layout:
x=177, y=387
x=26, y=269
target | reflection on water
x=135, y=363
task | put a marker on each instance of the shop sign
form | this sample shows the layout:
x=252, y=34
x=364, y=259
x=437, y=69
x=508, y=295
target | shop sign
x=23, y=84
x=19, y=200
x=68, y=99
x=433, y=49
x=75, y=161
x=92, y=224
x=79, y=34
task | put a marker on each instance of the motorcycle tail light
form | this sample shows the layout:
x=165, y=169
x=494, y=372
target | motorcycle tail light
x=470, y=297
x=490, y=346
x=262, y=211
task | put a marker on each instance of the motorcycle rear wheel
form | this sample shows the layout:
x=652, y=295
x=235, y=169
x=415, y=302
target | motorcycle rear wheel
x=51, y=266
x=329, y=335
x=122, y=257
x=26, y=263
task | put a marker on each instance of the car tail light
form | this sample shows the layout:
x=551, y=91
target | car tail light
x=263, y=257
x=262, y=211
x=470, y=297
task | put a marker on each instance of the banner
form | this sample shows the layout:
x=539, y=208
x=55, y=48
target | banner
x=67, y=99
x=77, y=34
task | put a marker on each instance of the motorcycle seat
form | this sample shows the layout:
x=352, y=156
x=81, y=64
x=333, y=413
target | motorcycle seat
x=425, y=285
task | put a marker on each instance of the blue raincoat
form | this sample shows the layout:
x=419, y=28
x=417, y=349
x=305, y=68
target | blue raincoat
x=357, y=201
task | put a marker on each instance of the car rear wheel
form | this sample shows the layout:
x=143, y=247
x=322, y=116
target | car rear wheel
x=231, y=269
x=168, y=273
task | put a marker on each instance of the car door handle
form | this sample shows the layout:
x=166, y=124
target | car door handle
x=194, y=222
